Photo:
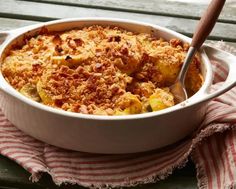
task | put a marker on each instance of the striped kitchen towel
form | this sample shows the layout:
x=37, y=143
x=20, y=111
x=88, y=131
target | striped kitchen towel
x=212, y=148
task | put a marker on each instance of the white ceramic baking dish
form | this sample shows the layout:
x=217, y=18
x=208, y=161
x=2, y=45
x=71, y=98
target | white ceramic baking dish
x=109, y=134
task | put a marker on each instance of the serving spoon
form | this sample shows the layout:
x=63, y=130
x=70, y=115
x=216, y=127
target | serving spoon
x=202, y=30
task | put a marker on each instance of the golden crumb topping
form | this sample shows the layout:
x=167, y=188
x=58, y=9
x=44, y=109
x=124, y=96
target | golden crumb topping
x=100, y=70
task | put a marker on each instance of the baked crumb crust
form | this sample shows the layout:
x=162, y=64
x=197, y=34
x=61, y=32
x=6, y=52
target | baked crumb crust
x=100, y=70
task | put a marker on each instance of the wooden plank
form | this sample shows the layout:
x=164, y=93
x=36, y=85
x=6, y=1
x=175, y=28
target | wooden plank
x=230, y=44
x=34, y=10
x=188, y=9
x=9, y=24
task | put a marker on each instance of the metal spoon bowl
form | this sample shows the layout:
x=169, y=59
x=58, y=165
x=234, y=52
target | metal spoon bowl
x=204, y=27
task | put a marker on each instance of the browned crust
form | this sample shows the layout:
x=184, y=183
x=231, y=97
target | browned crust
x=89, y=70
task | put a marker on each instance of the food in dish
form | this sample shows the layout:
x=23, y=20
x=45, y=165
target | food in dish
x=100, y=70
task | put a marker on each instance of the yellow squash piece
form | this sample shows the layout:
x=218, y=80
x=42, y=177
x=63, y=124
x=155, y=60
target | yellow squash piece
x=30, y=91
x=161, y=99
x=46, y=99
x=69, y=60
x=129, y=104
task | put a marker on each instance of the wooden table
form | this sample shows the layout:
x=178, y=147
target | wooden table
x=174, y=14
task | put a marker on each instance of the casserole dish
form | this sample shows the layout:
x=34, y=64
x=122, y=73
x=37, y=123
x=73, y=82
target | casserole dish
x=109, y=134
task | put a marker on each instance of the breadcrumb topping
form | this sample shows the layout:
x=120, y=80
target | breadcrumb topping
x=100, y=70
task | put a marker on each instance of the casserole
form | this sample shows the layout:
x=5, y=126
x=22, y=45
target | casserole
x=107, y=134
x=99, y=70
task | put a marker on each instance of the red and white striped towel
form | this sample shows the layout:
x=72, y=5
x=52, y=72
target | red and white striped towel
x=212, y=148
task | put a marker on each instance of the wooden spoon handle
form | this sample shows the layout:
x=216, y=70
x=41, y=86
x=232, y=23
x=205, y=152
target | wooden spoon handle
x=207, y=23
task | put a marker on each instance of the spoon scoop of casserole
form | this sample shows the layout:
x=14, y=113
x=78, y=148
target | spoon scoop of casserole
x=203, y=29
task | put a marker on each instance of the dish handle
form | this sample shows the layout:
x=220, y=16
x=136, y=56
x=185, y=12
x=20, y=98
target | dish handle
x=230, y=61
